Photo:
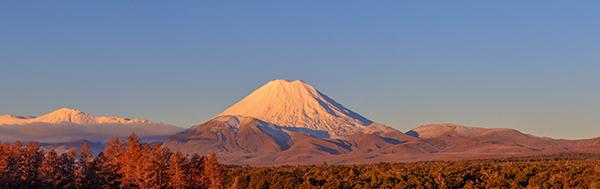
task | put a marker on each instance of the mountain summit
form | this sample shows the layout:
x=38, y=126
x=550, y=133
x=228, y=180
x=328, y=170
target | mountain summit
x=68, y=125
x=298, y=106
x=66, y=115
x=285, y=122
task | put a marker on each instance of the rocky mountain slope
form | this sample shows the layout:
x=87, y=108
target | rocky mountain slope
x=286, y=122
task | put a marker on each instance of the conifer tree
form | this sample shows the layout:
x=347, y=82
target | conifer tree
x=235, y=183
x=178, y=170
x=144, y=167
x=160, y=158
x=196, y=171
x=4, y=164
x=130, y=162
x=85, y=173
x=49, y=172
x=14, y=161
x=109, y=165
x=67, y=169
x=101, y=170
x=32, y=160
x=212, y=172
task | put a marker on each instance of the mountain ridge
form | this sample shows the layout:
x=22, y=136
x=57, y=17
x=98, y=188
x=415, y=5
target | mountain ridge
x=286, y=122
x=66, y=115
x=66, y=125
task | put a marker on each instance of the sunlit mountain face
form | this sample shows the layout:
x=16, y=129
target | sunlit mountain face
x=69, y=125
x=290, y=122
x=299, y=107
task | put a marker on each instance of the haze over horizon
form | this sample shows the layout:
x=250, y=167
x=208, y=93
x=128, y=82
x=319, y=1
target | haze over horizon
x=529, y=66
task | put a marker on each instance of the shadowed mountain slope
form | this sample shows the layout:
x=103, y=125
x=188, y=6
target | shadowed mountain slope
x=286, y=122
x=242, y=140
x=230, y=134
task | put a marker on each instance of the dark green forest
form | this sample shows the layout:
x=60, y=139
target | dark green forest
x=572, y=170
x=128, y=163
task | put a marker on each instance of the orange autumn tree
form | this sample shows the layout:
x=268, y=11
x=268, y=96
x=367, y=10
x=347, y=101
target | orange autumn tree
x=213, y=173
x=125, y=163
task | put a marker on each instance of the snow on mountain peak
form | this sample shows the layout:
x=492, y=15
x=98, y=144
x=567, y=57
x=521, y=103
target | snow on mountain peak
x=67, y=110
x=66, y=115
x=295, y=104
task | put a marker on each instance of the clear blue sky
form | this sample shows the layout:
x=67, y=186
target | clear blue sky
x=533, y=66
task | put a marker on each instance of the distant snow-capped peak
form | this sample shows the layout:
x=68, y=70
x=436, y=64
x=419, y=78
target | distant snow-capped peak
x=66, y=115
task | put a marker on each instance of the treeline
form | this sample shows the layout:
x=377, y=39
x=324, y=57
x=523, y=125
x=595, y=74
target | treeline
x=131, y=164
x=123, y=164
x=551, y=171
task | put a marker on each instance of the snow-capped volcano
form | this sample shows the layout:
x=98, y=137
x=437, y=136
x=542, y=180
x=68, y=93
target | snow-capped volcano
x=68, y=125
x=285, y=122
x=66, y=115
x=300, y=107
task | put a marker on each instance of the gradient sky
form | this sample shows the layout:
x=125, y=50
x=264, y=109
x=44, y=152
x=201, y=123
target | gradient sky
x=533, y=66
